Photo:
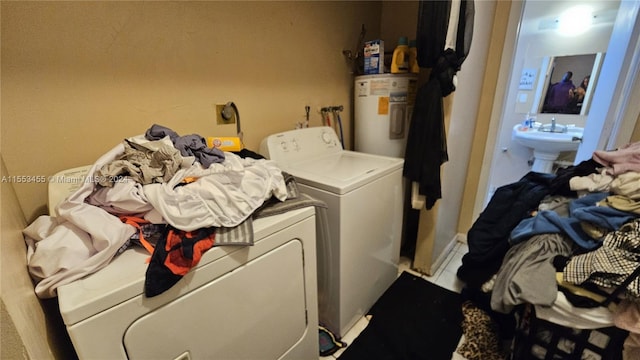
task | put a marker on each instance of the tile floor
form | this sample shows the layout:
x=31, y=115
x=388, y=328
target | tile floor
x=445, y=277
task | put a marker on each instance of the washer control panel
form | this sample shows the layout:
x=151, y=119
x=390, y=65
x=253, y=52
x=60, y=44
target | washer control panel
x=297, y=145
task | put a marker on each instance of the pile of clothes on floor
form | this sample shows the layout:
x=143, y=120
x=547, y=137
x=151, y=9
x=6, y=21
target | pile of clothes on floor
x=567, y=244
x=170, y=193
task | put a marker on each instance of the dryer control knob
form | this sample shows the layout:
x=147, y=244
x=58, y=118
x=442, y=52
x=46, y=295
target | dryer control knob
x=284, y=146
x=326, y=137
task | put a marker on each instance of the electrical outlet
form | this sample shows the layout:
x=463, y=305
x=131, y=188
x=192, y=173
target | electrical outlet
x=221, y=120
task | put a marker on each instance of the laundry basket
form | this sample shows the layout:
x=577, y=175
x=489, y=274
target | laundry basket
x=539, y=339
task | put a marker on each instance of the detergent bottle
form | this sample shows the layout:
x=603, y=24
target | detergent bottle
x=413, y=57
x=400, y=60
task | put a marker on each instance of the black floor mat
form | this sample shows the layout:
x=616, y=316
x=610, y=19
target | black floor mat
x=414, y=319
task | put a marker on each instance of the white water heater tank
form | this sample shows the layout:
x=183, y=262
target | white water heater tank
x=382, y=112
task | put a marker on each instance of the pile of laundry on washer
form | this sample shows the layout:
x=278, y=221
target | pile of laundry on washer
x=567, y=244
x=169, y=193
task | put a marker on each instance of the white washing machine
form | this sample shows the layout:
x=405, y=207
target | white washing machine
x=359, y=260
x=240, y=302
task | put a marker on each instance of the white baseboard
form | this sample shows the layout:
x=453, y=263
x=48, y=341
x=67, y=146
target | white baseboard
x=461, y=238
x=443, y=256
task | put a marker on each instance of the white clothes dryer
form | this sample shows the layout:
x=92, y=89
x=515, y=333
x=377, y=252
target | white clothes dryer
x=359, y=260
x=239, y=302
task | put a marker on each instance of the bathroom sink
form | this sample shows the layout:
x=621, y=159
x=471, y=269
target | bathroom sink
x=547, y=142
x=545, y=139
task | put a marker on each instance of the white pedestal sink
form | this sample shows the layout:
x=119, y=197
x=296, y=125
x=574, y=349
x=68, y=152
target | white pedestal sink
x=547, y=142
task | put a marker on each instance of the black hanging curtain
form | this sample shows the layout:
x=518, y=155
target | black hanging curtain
x=426, y=147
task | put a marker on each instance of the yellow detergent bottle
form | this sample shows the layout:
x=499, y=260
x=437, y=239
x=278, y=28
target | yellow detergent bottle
x=400, y=61
x=413, y=58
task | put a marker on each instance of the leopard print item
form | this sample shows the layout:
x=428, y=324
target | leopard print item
x=481, y=340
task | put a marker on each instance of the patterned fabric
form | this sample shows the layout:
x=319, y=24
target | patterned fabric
x=238, y=235
x=174, y=255
x=612, y=263
x=481, y=340
x=149, y=232
x=185, y=248
x=147, y=235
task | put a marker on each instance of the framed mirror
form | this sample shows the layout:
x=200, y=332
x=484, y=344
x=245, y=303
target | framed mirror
x=566, y=84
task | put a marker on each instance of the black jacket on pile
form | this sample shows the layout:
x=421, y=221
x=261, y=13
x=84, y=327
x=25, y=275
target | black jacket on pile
x=488, y=237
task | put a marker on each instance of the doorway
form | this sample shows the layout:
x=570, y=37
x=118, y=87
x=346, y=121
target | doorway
x=618, y=37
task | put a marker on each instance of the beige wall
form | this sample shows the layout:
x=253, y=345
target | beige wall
x=78, y=77
x=399, y=18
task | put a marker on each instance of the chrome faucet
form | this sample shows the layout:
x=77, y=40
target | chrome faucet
x=553, y=127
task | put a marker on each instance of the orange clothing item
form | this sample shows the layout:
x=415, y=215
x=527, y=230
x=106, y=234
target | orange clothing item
x=175, y=254
x=137, y=223
x=185, y=248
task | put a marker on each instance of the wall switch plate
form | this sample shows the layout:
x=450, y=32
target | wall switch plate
x=221, y=120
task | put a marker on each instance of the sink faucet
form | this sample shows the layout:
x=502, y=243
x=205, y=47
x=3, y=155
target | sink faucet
x=554, y=127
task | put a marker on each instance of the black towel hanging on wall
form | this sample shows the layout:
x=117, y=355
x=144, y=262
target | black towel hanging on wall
x=426, y=148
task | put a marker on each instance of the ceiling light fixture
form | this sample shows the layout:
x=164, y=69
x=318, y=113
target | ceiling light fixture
x=606, y=17
x=575, y=20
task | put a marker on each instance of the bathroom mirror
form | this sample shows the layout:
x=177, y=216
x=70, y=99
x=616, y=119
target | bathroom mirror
x=566, y=83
